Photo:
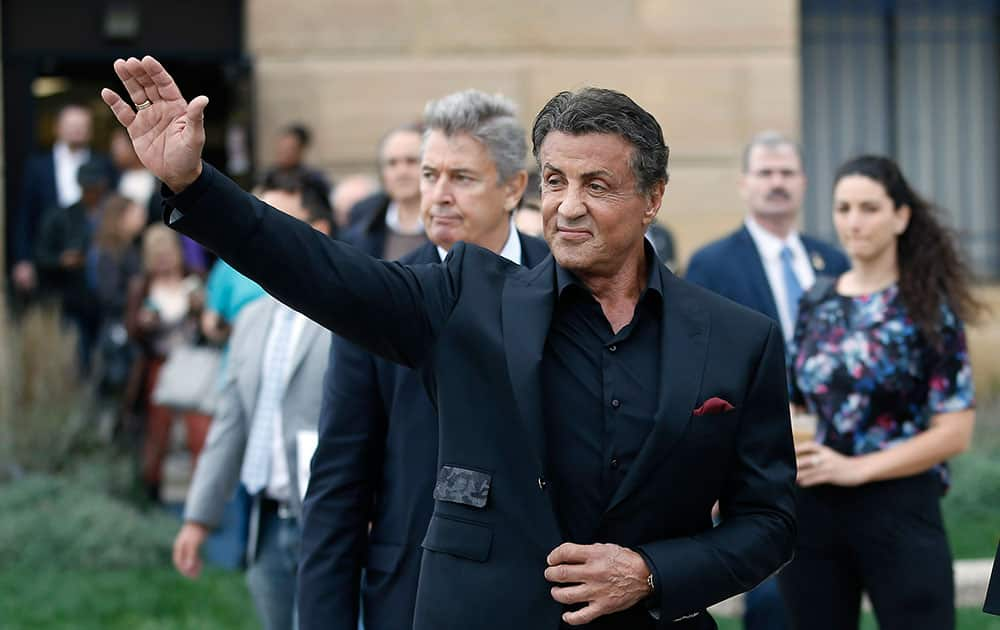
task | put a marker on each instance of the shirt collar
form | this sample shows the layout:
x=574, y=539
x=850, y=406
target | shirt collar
x=511, y=249
x=768, y=244
x=63, y=152
x=654, y=275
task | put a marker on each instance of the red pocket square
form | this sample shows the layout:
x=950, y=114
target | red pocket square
x=713, y=406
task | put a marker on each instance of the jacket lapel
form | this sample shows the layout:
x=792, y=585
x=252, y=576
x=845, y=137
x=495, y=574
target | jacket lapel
x=306, y=340
x=683, y=352
x=533, y=250
x=526, y=312
x=755, y=275
x=426, y=254
x=248, y=361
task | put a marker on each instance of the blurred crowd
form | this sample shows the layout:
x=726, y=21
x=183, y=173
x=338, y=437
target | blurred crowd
x=878, y=366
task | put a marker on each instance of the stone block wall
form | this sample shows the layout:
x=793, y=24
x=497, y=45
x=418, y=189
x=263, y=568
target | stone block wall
x=712, y=71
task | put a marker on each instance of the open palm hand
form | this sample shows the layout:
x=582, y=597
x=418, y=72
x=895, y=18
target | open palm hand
x=169, y=133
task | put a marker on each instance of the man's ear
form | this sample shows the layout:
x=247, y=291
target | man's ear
x=655, y=198
x=514, y=190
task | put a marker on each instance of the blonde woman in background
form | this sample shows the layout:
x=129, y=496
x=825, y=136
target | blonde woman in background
x=163, y=309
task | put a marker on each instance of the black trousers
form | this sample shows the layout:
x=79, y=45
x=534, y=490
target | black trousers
x=886, y=539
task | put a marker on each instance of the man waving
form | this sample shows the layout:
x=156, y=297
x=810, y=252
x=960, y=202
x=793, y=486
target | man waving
x=590, y=410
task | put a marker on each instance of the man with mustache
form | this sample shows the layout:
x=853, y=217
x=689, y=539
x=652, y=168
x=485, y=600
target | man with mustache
x=766, y=265
x=590, y=409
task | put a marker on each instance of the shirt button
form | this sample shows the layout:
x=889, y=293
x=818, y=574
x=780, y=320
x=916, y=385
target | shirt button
x=614, y=463
x=612, y=348
x=616, y=403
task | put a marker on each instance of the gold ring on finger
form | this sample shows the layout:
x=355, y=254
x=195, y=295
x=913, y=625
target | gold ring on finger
x=146, y=104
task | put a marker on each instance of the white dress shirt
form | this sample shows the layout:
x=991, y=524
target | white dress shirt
x=769, y=247
x=511, y=249
x=279, y=482
x=67, y=164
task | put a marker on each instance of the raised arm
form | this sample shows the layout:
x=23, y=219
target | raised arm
x=387, y=308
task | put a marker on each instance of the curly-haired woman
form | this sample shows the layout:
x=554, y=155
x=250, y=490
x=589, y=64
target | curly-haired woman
x=879, y=355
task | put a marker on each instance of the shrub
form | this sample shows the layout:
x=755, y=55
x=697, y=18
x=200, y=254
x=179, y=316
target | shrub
x=40, y=398
x=972, y=505
x=71, y=522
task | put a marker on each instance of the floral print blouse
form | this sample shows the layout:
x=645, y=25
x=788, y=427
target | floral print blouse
x=861, y=365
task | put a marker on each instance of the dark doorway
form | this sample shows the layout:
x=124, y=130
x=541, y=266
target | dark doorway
x=60, y=52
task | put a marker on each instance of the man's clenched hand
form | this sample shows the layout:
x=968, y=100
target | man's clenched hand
x=606, y=577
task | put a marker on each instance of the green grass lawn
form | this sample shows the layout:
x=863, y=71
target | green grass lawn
x=159, y=599
x=972, y=506
x=151, y=599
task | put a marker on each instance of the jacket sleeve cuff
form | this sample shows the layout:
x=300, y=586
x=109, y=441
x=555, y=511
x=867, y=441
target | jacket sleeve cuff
x=652, y=601
x=187, y=198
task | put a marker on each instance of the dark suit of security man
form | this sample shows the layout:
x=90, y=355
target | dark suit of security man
x=376, y=463
x=590, y=410
x=388, y=482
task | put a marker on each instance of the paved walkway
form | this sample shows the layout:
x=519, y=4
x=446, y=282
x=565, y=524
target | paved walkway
x=971, y=579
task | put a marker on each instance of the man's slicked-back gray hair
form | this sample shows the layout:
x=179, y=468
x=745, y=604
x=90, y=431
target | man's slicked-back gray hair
x=489, y=118
x=597, y=110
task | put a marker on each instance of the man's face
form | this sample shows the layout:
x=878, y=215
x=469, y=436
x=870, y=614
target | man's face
x=291, y=204
x=774, y=183
x=460, y=199
x=288, y=202
x=348, y=192
x=287, y=151
x=594, y=217
x=74, y=127
x=400, y=164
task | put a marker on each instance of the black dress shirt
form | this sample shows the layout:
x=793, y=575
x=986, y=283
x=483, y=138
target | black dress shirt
x=600, y=391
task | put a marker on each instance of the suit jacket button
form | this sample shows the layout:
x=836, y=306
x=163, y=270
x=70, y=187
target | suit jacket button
x=542, y=483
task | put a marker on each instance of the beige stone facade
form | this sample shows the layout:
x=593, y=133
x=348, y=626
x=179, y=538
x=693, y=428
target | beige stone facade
x=712, y=71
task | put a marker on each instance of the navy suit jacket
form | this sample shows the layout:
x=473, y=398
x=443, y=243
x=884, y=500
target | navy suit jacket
x=39, y=194
x=367, y=231
x=368, y=400
x=731, y=266
x=476, y=327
